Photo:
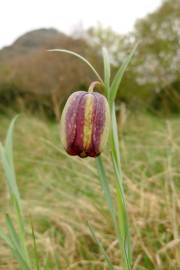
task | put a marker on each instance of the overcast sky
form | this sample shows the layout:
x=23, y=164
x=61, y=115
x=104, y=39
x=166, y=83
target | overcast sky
x=20, y=16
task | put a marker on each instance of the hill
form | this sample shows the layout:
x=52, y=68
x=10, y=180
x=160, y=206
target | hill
x=34, y=77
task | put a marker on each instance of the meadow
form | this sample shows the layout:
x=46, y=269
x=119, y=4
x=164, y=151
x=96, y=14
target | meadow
x=61, y=194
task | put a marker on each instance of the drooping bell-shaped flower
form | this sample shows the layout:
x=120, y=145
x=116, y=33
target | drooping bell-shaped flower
x=85, y=122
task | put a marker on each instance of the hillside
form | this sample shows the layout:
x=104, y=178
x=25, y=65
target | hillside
x=37, y=77
x=31, y=41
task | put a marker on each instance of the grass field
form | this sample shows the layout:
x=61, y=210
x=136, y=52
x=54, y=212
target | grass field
x=61, y=194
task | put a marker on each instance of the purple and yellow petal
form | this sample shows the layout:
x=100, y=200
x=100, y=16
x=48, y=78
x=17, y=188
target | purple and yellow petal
x=106, y=126
x=68, y=119
x=88, y=121
x=85, y=124
x=77, y=145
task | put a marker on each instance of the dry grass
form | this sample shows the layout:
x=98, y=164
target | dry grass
x=61, y=194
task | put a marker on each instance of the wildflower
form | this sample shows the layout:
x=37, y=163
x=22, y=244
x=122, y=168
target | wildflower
x=85, y=124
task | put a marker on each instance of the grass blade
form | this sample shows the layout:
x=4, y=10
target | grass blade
x=16, y=244
x=9, y=173
x=6, y=154
x=114, y=135
x=106, y=188
x=119, y=75
x=81, y=58
x=20, y=260
x=13, y=235
x=111, y=267
x=123, y=227
x=17, y=239
x=15, y=252
x=124, y=236
x=35, y=248
x=107, y=71
x=22, y=233
x=5, y=238
x=9, y=142
x=57, y=261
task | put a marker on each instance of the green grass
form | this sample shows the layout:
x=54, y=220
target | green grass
x=61, y=194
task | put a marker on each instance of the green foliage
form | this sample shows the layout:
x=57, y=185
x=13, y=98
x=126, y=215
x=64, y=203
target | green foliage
x=119, y=75
x=110, y=266
x=120, y=223
x=16, y=238
x=158, y=61
x=60, y=207
x=149, y=82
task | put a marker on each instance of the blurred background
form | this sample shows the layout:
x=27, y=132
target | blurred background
x=36, y=83
x=36, y=80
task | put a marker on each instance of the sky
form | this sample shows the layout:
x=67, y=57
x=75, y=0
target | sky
x=19, y=16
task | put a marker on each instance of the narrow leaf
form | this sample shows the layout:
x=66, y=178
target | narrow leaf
x=6, y=154
x=9, y=142
x=13, y=234
x=10, y=180
x=114, y=135
x=119, y=75
x=5, y=238
x=20, y=260
x=81, y=58
x=106, y=189
x=111, y=267
x=35, y=248
x=15, y=252
x=107, y=71
x=123, y=227
x=124, y=237
x=21, y=226
x=17, y=248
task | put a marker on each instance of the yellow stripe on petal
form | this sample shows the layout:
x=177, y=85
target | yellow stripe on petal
x=88, y=121
x=105, y=133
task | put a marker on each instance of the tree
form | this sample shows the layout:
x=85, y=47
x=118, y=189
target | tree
x=158, y=59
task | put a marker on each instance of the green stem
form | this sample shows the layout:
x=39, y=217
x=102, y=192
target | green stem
x=106, y=189
x=123, y=228
x=93, y=85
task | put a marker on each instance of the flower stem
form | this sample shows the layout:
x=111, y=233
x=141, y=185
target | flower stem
x=123, y=226
x=95, y=84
